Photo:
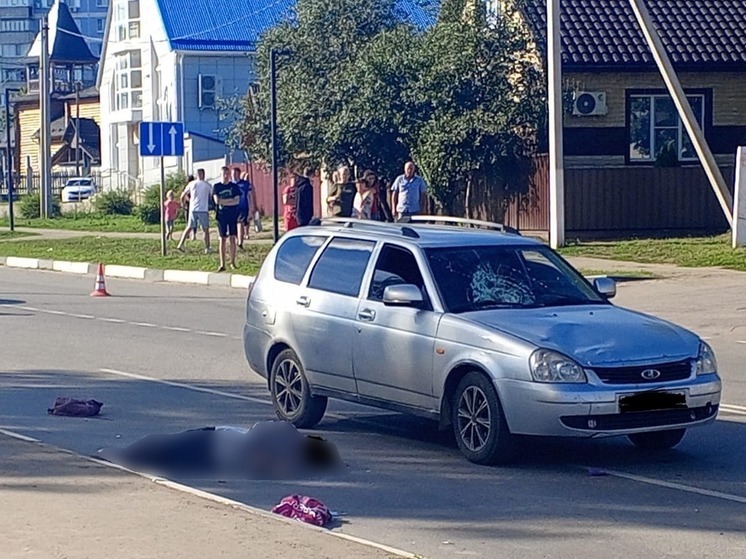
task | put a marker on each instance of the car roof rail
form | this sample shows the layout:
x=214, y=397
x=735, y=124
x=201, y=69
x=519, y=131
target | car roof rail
x=363, y=224
x=448, y=220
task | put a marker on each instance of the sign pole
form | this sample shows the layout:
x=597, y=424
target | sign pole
x=162, y=198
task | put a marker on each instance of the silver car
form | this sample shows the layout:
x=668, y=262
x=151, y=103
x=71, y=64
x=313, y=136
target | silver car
x=490, y=333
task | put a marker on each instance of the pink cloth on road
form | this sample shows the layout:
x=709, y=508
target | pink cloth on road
x=305, y=509
x=170, y=209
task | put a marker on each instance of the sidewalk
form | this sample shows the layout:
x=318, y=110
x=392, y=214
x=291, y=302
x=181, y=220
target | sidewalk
x=57, y=504
x=71, y=234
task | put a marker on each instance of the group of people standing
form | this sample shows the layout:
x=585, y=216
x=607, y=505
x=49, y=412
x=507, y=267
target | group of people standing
x=232, y=199
x=364, y=198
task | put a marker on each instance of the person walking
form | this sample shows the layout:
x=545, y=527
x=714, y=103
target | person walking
x=248, y=201
x=197, y=194
x=170, y=211
x=408, y=193
x=227, y=196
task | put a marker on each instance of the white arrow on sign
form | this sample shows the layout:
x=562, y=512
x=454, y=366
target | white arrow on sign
x=151, y=145
x=172, y=133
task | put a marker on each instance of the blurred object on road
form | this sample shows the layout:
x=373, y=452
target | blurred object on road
x=75, y=408
x=303, y=508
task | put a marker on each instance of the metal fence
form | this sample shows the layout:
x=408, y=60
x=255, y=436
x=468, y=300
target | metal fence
x=31, y=183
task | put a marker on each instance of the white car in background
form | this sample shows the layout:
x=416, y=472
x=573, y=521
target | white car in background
x=77, y=189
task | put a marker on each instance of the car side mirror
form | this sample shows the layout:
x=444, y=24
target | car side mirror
x=605, y=286
x=404, y=295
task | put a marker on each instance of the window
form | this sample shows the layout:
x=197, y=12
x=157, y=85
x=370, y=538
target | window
x=102, y=3
x=14, y=51
x=14, y=75
x=656, y=131
x=100, y=25
x=341, y=267
x=126, y=20
x=15, y=25
x=294, y=256
x=128, y=80
x=395, y=266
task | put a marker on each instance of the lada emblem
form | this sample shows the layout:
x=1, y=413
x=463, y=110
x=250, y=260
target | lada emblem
x=650, y=374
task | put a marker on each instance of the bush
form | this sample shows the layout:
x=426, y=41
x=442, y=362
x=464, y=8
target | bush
x=29, y=206
x=114, y=202
x=149, y=209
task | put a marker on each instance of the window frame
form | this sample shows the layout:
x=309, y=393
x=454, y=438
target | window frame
x=422, y=271
x=320, y=256
x=124, y=68
x=706, y=124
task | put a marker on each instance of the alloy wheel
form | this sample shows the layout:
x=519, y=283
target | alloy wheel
x=474, y=421
x=288, y=387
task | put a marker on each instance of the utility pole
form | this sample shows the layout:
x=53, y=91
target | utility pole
x=45, y=125
x=77, y=129
x=556, y=115
x=9, y=155
x=273, y=54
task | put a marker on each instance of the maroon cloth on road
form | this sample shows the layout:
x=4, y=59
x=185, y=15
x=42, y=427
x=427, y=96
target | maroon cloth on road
x=75, y=408
x=305, y=509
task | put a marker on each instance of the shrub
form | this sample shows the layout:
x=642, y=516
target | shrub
x=114, y=202
x=29, y=206
x=149, y=209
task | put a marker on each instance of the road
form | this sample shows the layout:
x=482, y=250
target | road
x=164, y=358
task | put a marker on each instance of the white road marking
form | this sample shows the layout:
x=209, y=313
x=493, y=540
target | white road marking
x=213, y=334
x=218, y=498
x=85, y=316
x=176, y=328
x=741, y=342
x=735, y=410
x=187, y=386
x=679, y=487
x=144, y=324
x=113, y=320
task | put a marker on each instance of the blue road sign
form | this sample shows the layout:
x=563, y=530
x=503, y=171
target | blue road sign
x=159, y=139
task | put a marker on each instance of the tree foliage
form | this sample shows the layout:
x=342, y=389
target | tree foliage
x=464, y=98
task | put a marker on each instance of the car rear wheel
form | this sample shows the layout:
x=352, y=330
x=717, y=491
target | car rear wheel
x=478, y=421
x=657, y=440
x=291, y=395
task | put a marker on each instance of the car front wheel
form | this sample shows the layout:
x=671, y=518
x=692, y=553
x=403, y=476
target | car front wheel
x=657, y=440
x=479, y=423
x=291, y=395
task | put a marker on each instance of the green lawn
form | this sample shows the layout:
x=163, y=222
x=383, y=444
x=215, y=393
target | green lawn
x=134, y=252
x=7, y=235
x=96, y=222
x=688, y=252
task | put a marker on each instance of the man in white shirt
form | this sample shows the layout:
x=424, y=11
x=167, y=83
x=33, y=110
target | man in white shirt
x=198, y=192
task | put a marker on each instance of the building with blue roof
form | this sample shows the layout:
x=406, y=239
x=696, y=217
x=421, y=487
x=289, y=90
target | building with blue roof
x=170, y=60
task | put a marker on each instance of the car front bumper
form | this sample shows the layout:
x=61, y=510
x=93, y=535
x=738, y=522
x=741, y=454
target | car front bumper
x=589, y=410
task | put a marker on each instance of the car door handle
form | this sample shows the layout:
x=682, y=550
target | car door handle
x=303, y=301
x=367, y=315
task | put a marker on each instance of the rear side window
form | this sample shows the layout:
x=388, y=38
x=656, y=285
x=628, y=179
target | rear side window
x=341, y=267
x=294, y=256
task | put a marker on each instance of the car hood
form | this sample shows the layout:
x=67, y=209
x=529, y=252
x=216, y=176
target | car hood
x=594, y=335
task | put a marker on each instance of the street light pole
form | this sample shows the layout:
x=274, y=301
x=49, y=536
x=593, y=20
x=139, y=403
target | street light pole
x=273, y=55
x=9, y=155
x=45, y=125
x=556, y=115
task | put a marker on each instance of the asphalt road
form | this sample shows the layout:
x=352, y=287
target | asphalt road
x=164, y=358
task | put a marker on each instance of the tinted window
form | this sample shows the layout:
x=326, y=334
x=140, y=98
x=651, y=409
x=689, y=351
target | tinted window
x=474, y=278
x=294, y=256
x=395, y=266
x=341, y=267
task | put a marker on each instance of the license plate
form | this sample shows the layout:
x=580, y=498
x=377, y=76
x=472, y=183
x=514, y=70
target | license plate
x=652, y=401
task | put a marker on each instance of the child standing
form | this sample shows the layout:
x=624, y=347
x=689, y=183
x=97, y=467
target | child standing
x=170, y=210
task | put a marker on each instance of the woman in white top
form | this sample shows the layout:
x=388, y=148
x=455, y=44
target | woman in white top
x=362, y=207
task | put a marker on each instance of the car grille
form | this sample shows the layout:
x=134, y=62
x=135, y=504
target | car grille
x=639, y=420
x=634, y=375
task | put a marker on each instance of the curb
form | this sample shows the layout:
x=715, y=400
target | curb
x=195, y=277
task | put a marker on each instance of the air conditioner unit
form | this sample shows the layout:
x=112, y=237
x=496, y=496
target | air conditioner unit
x=589, y=103
x=209, y=90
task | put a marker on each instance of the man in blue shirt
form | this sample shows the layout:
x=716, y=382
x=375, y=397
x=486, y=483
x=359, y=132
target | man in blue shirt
x=408, y=193
x=247, y=201
x=226, y=196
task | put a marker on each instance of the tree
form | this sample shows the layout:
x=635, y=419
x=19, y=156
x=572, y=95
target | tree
x=484, y=89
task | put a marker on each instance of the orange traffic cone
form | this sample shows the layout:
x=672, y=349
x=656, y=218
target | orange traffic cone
x=100, y=287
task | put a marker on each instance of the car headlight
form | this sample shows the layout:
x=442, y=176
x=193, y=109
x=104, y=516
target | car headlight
x=706, y=362
x=550, y=366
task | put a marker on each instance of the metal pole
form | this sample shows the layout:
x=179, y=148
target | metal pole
x=9, y=157
x=77, y=129
x=163, y=222
x=556, y=163
x=685, y=110
x=739, y=207
x=273, y=126
x=46, y=132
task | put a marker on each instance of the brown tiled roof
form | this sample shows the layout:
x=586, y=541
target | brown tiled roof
x=703, y=34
